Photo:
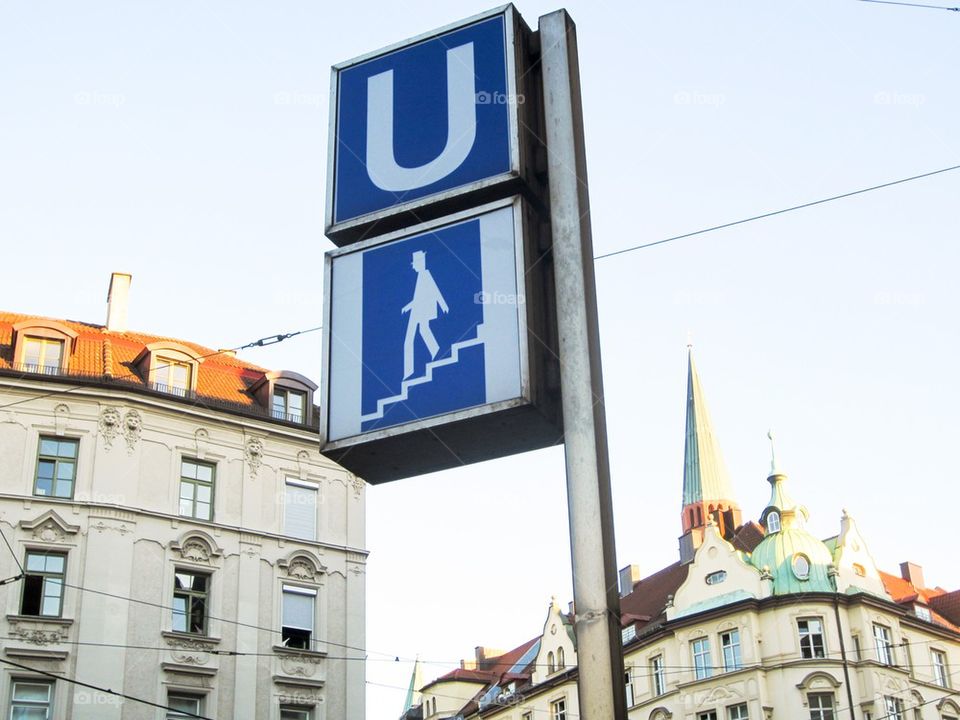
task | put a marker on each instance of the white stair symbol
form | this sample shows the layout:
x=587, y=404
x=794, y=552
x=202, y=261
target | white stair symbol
x=427, y=376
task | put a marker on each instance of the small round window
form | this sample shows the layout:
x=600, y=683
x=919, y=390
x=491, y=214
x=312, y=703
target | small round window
x=801, y=566
x=715, y=578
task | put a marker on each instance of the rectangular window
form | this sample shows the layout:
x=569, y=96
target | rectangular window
x=923, y=613
x=56, y=467
x=43, y=584
x=737, y=712
x=811, y=638
x=657, y=676
x=730, y=644
x=31, y=700
x=180, y=705
x=289, y=405
x=821, y=706
x=884, y=643
x=300, y=510
x=527, y=716
x=558, y=710
x=708, y=715
x=894, y=707
x=171, y=376
x=299, y=612
x=857, y=652
x=940, y=675
x=295, y=713
x=701, y=658
x=628, y=685
x=196, y=489
x=42, y=355
x=191, y=592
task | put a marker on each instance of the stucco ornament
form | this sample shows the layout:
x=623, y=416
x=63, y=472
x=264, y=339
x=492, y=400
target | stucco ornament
x=38, y=633
x=358, y=484
x=196, y=551
x=109, y=426
x=132, y=427
x=301, y=569
x=254, y=454
x=61, y=413
x=188, y=652
x=48, y=532
x=299, y=665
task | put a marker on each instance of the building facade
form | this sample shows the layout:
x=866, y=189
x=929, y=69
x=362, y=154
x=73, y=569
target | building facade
x=756, y=621
x=175, y=535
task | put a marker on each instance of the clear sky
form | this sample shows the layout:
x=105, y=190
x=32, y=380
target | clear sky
x=185, y=143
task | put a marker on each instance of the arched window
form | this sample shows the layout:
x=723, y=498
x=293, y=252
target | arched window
x=561, y=661
x=773, y=522
x=801, y=566
x=551, y=664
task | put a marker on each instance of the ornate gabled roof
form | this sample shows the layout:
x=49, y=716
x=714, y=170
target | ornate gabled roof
x=705, y=474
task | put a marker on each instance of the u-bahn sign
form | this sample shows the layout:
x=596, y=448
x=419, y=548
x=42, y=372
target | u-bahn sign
x=433, y=348
x=422, y=126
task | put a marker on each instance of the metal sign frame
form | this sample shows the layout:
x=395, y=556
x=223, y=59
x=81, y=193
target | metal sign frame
x=434, y=205
x=528, y=421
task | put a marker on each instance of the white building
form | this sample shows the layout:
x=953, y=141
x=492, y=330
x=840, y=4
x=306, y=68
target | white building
x=755, y=621
x=182, y=539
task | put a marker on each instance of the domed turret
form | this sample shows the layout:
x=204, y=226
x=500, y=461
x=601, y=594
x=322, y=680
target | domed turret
x=797, y=560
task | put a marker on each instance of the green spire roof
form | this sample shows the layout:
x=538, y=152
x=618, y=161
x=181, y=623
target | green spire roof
x=704, y=472
x=413, y=691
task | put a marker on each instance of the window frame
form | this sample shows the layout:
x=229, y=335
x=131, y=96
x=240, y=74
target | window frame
x=190, y=595
x=894, y=707
x=938, y=662
x=197, y=483
x=44, y=575
x=302, y=485
x=199, y=700
x=558, y=709
x=41, y=367
x=55, y=480
x=701, y=670
x=820, y=711
x=658, y=676
x=27, y=704
x=733, y=712
x=302, y=712
x=883, y=642
x=299, y=590
x=168, y=363
x=284, y=392
x=734, y=648
x=707, y=715
x=807, y=637
x=775, y=516
x=628, y=686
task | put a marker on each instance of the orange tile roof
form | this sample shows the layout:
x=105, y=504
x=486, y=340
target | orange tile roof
x=97, y=353
x=904, y=592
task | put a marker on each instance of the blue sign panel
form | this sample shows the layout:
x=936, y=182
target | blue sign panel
x=425, y=325
x=426, y=118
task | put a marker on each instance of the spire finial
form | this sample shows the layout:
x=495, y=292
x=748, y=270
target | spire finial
x=773, y=455
x=689, y=340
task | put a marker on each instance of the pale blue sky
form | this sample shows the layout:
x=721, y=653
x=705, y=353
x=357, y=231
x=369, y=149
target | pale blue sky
x=186, y=143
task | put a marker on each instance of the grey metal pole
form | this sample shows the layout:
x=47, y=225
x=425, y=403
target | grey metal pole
x=592, y=547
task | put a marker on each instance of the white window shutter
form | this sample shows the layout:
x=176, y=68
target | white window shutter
x=300, y=512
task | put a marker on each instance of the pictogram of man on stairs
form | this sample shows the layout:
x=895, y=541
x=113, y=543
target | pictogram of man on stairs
x=422, y=308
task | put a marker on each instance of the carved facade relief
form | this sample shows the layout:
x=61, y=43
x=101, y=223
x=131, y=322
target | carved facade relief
x=132, y=428
x=254, y=454
x=109, y=426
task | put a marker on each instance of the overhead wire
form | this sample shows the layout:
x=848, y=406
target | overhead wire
x=916, y=5
x=773, y=213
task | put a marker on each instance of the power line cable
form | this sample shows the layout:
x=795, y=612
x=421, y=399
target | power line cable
x=917, y=5
x=107, y=691
x=777, y=212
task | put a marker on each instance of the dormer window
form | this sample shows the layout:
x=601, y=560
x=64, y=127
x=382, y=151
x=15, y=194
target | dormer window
x=169, y=367
x=42, y=355
x=172, y=376
x=42, y=346
x=289, y=404
x=287, y=396
x=773, y=522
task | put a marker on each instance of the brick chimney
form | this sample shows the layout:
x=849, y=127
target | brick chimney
x=912, y=573
x=117, y=302
x=629, y=576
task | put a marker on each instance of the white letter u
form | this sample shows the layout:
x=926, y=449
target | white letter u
x=382, y=165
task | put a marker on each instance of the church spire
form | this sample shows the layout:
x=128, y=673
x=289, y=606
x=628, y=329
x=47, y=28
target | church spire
x=707, y=494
